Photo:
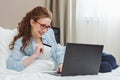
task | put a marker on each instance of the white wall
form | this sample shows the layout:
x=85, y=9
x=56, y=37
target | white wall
x=12, y=11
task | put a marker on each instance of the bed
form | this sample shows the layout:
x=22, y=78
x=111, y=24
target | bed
x=6, y=36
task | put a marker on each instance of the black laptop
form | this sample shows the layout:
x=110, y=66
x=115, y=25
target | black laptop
x=81, y=59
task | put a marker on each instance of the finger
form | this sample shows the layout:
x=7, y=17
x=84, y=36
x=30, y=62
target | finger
x=58, y=70
x=41, y=50
x=36, y=47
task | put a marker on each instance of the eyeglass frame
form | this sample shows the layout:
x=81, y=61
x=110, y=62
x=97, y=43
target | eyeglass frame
x=43, y=25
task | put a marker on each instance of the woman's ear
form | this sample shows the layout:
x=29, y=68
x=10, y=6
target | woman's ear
x=32, y=22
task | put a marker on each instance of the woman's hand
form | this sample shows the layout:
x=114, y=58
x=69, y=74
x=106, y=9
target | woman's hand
x=59, y=69
x=39, y=50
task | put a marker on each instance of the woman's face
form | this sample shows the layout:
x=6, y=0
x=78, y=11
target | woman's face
x=40, y=27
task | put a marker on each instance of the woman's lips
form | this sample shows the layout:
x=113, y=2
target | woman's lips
x=40, y=33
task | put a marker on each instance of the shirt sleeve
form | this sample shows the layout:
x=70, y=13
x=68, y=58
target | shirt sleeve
x=14, y=61
x=58, y=51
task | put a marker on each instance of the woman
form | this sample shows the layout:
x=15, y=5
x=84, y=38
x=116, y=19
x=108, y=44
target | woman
x=34, y=37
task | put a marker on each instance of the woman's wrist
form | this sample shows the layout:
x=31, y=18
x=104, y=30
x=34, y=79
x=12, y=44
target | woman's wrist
x=34, y=56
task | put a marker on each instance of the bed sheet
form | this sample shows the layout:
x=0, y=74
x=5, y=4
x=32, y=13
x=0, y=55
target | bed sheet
x=13, y=75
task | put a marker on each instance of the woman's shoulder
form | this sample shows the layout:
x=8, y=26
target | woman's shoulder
x=49, y=34
x=19, y=43
x=19, y=40
x=50, y=31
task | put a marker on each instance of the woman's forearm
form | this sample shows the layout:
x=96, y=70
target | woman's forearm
x=28, y=60
x=38, y=51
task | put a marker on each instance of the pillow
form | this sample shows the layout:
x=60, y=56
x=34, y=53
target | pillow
x=6, y=36
x=110, y=59
x=105, y=67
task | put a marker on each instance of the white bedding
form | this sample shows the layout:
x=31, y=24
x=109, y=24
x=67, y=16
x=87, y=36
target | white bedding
x=5, y=37
x=12, y=75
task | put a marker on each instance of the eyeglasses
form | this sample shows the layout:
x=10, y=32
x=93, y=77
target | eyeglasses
x=44, y=26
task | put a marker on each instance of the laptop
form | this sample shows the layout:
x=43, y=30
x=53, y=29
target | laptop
x=81, y=59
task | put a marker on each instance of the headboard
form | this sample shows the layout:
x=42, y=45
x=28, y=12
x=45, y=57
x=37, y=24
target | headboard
x=57, y=34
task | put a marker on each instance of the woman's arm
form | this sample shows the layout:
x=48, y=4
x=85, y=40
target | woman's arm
x=58, y=51
x=15, y=60
x=37, y=53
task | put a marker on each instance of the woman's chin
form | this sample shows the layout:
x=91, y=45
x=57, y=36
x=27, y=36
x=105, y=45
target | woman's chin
x=40, y=36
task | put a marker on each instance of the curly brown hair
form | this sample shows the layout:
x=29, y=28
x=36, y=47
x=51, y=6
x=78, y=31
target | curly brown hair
x=24, y=26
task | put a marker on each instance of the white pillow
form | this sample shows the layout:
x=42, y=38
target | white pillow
x=6, y=36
